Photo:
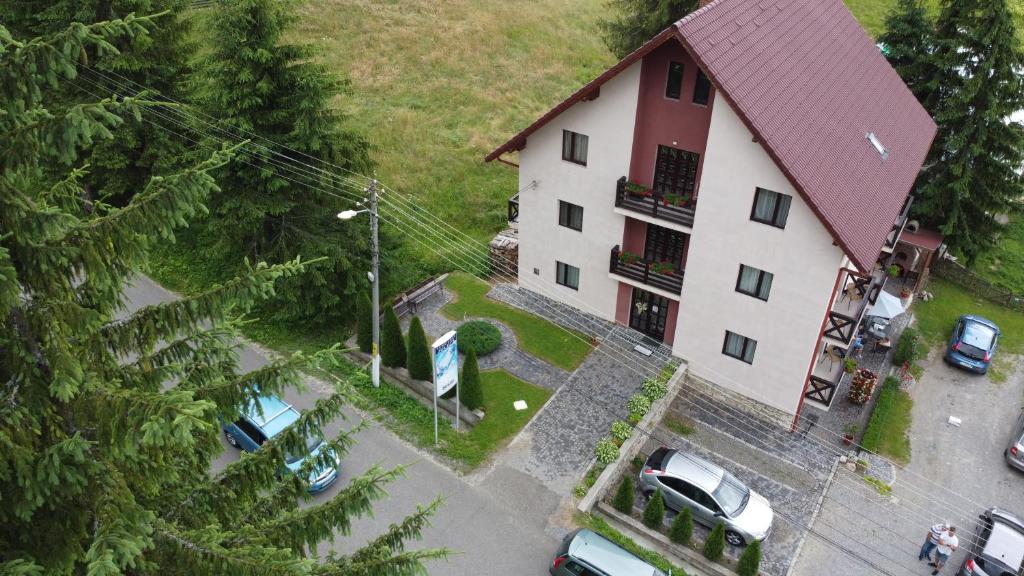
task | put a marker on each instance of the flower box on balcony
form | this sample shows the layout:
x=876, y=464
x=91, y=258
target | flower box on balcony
x=628, y=257
x=666, y=268
x=672, y=199
x=638, y=190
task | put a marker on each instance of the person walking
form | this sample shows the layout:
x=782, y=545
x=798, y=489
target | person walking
x=948, y=543
x=931, y=542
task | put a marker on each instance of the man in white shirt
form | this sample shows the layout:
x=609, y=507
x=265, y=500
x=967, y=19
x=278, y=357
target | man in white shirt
x=948, y=543
x=931, y=542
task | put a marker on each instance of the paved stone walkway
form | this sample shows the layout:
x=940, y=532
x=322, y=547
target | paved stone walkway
x=557, y=446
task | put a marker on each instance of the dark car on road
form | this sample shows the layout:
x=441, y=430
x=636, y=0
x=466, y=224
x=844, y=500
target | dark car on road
x=998, y=547
x=587, y=553
x=973, y=343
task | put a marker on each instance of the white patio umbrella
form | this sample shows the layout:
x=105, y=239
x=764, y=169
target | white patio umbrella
x=886, y=306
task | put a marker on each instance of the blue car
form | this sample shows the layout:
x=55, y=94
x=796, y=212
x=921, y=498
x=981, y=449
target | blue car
x=268, y=419
x=973, y=343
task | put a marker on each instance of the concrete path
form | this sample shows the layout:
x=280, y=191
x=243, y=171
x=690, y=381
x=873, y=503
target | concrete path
x=954, y=474
x=499, y=518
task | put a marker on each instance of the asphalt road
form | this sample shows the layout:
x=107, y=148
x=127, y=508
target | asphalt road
x=495, y=520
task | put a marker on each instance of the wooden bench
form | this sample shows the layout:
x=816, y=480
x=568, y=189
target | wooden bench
x=407, y=302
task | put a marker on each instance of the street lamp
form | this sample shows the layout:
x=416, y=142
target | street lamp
x=373, y=276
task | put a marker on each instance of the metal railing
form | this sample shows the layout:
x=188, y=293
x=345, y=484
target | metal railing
x=654, y=204
x=513, y=209
x=644, y=271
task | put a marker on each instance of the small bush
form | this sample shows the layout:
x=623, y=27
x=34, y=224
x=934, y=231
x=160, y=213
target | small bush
x=654, y=388
x=624, y=497
x=364, y=323
x=654, y=513
x=682, y=527
x=392, y=343
x=621, y=430
x=478, y=335
x=606, y=451
x=638, y=405
x=907, y=348
x=421, y=366
x=750, y=560
x=714, y=546
x=470, y=393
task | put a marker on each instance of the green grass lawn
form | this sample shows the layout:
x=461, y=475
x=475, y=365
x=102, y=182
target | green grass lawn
x=1003, y=265
x=936, y=318
x=560, y=347
x=890, y=421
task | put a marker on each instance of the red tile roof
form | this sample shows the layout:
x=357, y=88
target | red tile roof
x=809, y=84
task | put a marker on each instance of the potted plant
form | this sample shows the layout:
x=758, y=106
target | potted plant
x=663, y=267
x=905, y=293
x=849, y=365
x=863, y=385
x=638, y=190
x=849, y=433
x=893, y=271
x=671, y=198
x=628, y=257
x=862, y=465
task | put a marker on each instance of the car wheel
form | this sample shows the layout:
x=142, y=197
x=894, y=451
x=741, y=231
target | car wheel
x=734, y=539
x=231, y=439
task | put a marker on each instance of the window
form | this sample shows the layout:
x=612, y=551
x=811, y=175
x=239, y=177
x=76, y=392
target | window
x=574, y=147
x=568, y=276
x=701, y=89
x=570, y=215
x=251, y=431
x=739, y=347
x=675, y=172
x=578, y=569
x=674, y=85
x=770, y=208
x=754, y=282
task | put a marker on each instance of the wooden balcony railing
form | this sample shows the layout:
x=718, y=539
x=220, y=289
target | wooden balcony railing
x=513, y=209
x=646, y=272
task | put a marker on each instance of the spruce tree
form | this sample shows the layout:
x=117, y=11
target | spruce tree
x=364, y=323
x=750, y=560
x=909, y=40
x=681, y=531
x=392, y=343
x=470, y=392
x=971, y=175
x=714, y=546
x=109, y=417
x=637, y=21
x=156, y=62
x=277, y=205
x=421, y=366
x=624, y=497
x=654, y=513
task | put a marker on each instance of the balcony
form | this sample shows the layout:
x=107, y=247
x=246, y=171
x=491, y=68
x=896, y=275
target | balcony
x=848, y=310
x=655, y=205
x=630, y=267
x=827, y=375
x=513, y=210
x=897, y=227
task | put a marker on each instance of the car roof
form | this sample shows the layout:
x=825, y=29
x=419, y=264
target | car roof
x=979, y=335
x=980, y=320
x=272, y=415
x=604, y=554
x=1005, y=544
x=695, y=470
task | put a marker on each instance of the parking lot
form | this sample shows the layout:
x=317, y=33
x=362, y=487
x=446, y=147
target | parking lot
x=954, y=473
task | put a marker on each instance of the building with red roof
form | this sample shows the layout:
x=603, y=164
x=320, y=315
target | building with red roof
x=731, y=189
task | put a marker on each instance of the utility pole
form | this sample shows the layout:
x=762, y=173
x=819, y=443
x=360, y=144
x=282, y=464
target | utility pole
x=375, y=281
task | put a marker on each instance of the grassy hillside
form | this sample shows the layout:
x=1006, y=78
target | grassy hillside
x=437, y=85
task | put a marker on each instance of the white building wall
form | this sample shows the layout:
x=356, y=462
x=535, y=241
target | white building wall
x=608, y=121
x=802, y=258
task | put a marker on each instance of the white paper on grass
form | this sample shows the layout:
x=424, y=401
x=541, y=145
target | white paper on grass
x=519, y=404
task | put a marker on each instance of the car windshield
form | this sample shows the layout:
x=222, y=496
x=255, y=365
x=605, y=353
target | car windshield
x=311, y=444
x=977, y=340
x=731, y=495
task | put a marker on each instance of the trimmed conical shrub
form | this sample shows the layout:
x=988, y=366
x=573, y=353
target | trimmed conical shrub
x=392, y=344
x=420, y=364
x=682, y=527
x=364, y=323
x=624, y=497
x=470, y=393
x=750, y=560
x=654, y=513
x=714, y=546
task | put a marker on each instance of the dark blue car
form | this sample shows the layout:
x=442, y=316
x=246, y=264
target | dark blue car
x=973, y=343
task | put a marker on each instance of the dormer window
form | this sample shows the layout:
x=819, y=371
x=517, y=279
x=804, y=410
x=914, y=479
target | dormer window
x=674, y=84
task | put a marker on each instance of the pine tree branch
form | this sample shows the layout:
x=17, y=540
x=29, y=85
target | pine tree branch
x=394, y=539
x=384, y=564
x=199, y=553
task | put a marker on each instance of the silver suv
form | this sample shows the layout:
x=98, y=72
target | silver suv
x=1015, y=449
x=712, y=495
x=587, y=553
x=998, y=549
